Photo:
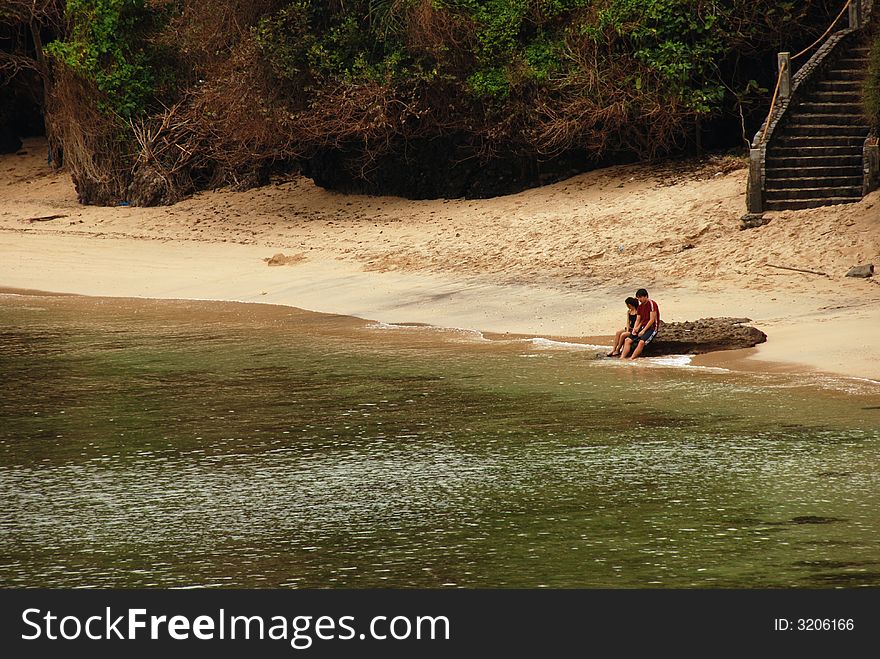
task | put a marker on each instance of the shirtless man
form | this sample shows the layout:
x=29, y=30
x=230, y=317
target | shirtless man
x=646, y=326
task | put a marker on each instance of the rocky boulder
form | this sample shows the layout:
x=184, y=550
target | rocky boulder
x=704, y=335
x=863, y=271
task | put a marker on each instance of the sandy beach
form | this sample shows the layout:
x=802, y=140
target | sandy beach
x=555, y=261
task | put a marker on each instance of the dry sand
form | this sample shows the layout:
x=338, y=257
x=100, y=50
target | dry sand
x=554, y=261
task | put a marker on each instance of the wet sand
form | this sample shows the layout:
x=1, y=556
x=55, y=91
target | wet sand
x=555, y=261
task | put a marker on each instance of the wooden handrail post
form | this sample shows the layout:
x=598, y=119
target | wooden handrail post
x=755, y=184
x=871, y=165
x=855, y=14
x=783, y=62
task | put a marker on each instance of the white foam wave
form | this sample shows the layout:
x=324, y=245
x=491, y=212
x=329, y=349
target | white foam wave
x=838, y=383
x=867, y=380
x=418, y=327
x=395, y=326
x=672, y=360
x=550, y=344
x=682, y=361
x=669, y=361
x=851, y=385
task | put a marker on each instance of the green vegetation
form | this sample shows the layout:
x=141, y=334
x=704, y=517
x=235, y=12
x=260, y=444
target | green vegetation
x=286, y=42
x=106, y=46
x=871, y=89
x=506, y=55
x=511, y=44
x=681, y=42
x=221, y=92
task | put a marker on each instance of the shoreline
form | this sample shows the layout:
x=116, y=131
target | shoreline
x=552, y=262
x=743, y=360
x=234, y=273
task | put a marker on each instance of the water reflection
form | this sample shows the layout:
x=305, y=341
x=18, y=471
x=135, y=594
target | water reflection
x=189, y=444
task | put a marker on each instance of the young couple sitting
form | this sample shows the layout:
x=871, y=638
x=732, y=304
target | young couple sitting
x=642, y=323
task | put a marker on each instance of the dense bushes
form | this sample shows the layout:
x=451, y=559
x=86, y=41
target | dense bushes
x=871, y=90
x=105, y=44
x=215, y=93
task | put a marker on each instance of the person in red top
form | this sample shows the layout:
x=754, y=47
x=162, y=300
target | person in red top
x=646, y=326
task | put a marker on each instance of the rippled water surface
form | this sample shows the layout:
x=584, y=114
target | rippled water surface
x=184, y=444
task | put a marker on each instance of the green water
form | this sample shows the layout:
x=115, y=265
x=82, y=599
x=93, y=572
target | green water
x=179, y=444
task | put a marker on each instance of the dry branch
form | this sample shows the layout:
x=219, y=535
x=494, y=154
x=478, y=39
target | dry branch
x=783, y=267
x=44, y=218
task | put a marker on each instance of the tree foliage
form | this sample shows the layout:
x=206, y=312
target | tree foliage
x=106, y=44
x=520, y=68
x=221, y=92
x=871, y=90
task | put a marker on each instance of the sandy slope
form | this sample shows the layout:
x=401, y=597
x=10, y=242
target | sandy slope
x=553, y=261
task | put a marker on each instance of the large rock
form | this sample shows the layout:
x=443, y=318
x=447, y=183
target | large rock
x=864, y=271
x=704, y=335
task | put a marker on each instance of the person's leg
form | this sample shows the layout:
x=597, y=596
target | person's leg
x=621, y=335
x=638, y=350
x=618, y=339
x=627, y=345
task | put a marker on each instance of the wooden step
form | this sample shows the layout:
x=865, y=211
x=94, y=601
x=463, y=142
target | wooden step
x=780, y=173
x=827, y=161
x=834, y=96
x=830, y=119
x=785, y=151
x=811, y=107
x=798, y=204
x=809, y=141
x=814, y=193
x=824, y=129
x=839, y=85
x=851, y=63
x=847, y=74
x=805, y=183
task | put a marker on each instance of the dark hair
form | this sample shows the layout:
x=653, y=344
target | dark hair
x=631, y=302
x=641, y=293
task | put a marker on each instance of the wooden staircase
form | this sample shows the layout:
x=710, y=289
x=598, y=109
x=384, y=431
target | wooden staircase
x=816, y=147
x=815, y=158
